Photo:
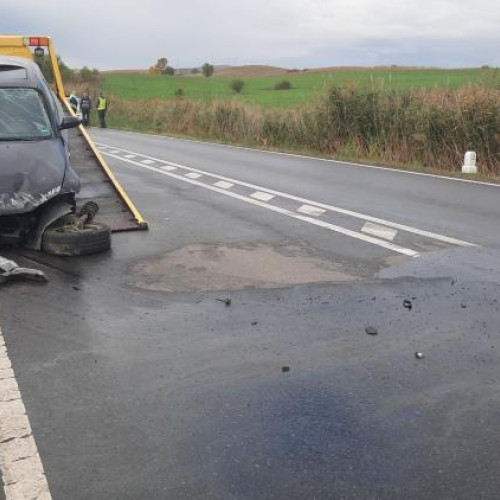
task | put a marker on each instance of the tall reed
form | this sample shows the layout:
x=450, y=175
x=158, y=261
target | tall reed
x=431, y=128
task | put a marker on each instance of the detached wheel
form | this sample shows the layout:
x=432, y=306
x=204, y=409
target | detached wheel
x=95, y=237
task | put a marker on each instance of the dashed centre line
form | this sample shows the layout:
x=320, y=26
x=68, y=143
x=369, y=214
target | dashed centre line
x=311, y=220
x=374, y=230
x=130, y=156
x=148, y=162
x=22, y=470
x=224, y=184
x=332, y=208
x=380, y=231
x=310, y=210
x=193, y=175
x=260, y=195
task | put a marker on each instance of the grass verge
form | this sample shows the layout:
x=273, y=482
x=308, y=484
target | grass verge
x=419, y=129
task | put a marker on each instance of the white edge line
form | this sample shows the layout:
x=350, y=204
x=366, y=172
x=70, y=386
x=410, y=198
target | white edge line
x=20, y=464
x=332, y=208
x=307, y=157
x=282, y=211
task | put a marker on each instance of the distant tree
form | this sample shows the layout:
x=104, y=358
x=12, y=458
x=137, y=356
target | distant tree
x=195, y=71
x=46, y=67
x=161, y=64
x=237, y=85
x=85, y=73
x=65, y=71
x=168, y=71
x=208, y=70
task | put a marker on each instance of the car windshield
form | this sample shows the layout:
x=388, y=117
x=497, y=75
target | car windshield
x=23, y=116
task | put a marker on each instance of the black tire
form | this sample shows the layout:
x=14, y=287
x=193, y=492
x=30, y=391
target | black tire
x=95, y=237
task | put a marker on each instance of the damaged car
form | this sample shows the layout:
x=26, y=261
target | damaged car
x=38, y=187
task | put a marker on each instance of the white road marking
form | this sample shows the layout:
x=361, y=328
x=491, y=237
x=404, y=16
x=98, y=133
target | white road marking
x=147, y=162
x=223, y=184
x=114, y=151
x=130, y=156
x=283, y=211
x=316, y=158
x=22, y=470
x=168, y=168
x=380, y=231
x=358, y=215
x=310, y=210
x=259, y=195
x=193, y=175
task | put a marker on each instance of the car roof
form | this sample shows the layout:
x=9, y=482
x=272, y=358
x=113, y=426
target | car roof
x=33, y=76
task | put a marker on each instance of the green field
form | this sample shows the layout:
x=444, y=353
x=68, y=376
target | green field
x=259, y=90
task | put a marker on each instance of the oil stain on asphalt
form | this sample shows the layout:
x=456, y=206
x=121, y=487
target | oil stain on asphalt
x=202, y=267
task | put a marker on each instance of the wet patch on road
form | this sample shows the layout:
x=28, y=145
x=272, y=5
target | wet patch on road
x=203, y=267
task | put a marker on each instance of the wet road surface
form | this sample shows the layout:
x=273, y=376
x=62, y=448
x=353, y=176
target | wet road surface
x=140, y=382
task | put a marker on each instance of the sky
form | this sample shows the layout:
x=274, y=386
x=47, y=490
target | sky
x=130, y=34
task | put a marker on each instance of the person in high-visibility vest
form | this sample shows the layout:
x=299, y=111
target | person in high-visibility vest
x=102, y=108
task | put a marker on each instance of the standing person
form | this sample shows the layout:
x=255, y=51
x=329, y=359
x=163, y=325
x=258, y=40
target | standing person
x=85, y=105
x=102, y=108
x=73, y=101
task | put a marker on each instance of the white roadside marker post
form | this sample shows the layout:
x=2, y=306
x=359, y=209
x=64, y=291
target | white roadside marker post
x=469, y=166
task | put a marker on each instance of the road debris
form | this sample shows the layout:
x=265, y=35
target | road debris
x=371, y=330
x=419, y=355
x=10, y=270
x=407, y=304
x=285, y=369
x=227, y=302
x=254, y=323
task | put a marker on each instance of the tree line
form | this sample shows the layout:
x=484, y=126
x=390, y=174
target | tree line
x=163, y=68
x=84, y=74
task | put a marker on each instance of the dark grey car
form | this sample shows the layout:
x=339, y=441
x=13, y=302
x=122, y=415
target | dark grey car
x=37, y=183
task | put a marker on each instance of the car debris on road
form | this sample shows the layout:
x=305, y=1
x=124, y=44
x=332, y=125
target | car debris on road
x=10, y=270
x=407, y=304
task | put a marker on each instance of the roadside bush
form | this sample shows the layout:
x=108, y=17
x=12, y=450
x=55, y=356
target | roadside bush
x=283, y=85
x=179, y=93
x=237, y=86
x=207, y=70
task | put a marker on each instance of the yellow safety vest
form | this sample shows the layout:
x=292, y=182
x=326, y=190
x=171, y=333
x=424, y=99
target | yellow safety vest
x=102, y=104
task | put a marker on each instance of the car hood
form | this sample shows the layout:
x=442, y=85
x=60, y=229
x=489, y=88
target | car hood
x=31, y=173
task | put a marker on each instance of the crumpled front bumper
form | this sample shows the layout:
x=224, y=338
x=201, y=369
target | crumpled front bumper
x=27, y=229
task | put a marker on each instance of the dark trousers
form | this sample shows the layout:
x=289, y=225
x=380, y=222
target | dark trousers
x=86, y=117
x=102, y=117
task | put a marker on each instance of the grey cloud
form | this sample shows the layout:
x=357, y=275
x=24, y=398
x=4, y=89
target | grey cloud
x=132, y=34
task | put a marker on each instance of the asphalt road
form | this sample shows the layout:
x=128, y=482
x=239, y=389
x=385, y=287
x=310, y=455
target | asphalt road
x=139, y=381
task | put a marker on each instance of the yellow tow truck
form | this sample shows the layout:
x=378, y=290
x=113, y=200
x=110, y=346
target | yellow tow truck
x=57, y=194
